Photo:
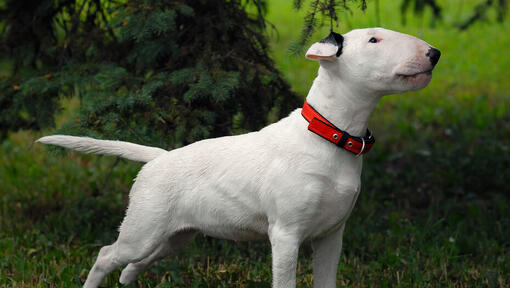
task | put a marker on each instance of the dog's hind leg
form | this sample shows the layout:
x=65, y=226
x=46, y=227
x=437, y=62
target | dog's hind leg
x=119, y=253
x=143, y=230
x=172, y=246
x=105, y=263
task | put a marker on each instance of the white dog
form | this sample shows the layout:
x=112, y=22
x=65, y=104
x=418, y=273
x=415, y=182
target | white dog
x=294, y=180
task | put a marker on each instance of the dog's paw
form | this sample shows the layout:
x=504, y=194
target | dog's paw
x=128, y=275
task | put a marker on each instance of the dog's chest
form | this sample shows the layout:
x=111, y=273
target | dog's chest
x=334, y=210
x=334, y=205
x=336, y=186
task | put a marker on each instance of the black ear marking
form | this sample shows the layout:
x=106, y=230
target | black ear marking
x=335, y=39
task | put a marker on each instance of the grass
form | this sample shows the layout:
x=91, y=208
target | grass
x=434, y=210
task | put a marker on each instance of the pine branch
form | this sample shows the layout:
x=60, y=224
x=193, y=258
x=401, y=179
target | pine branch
x=76, y=18
x=502, y=10
x=324, y=9
x=308, y=29
x=478, y=14
x=103, y=15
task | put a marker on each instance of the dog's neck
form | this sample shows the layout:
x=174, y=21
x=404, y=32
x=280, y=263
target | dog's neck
x=348, y=108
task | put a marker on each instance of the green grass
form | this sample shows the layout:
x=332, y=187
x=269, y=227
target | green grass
x=434, y=210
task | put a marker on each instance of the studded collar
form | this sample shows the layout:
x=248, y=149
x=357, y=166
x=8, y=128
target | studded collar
x=322, y=127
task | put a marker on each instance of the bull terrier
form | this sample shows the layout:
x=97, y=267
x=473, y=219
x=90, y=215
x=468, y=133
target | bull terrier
x=295, y=180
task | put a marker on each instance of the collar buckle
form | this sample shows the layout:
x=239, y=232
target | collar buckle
x=362, y=148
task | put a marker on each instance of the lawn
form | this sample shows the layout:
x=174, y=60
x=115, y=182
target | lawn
x=434, y=209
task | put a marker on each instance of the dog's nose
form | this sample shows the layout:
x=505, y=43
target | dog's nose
x=434, y=55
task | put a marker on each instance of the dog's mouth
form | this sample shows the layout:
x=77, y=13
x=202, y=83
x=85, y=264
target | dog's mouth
x=416, y=80
x=415, y=75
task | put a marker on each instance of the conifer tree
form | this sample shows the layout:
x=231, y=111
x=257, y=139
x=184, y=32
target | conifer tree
x=163, y=73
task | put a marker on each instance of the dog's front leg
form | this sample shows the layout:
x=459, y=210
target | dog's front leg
x=284, y=248
x=326, y=254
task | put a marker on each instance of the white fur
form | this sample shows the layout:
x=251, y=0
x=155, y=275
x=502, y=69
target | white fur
x=283, y=182
x=126, y=150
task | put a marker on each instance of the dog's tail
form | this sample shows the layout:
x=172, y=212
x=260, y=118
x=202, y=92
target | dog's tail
x=126, y=150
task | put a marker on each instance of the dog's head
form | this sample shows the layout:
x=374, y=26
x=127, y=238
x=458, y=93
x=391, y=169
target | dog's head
x=377, y=59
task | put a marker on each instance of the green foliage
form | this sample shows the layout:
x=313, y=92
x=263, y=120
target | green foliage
x=318, y=12
x=163, y=73
x=419, y=8
x=481, y=10
x=327, y=11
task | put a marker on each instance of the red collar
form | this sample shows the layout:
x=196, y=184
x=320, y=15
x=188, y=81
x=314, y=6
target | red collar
x=322, y=127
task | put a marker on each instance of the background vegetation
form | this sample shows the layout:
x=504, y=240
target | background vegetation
x=434, y=210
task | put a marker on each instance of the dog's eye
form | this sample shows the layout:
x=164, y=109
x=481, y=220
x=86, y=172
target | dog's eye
x=373, y=40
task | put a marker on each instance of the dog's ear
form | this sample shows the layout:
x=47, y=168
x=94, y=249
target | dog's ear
x=327, y=49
